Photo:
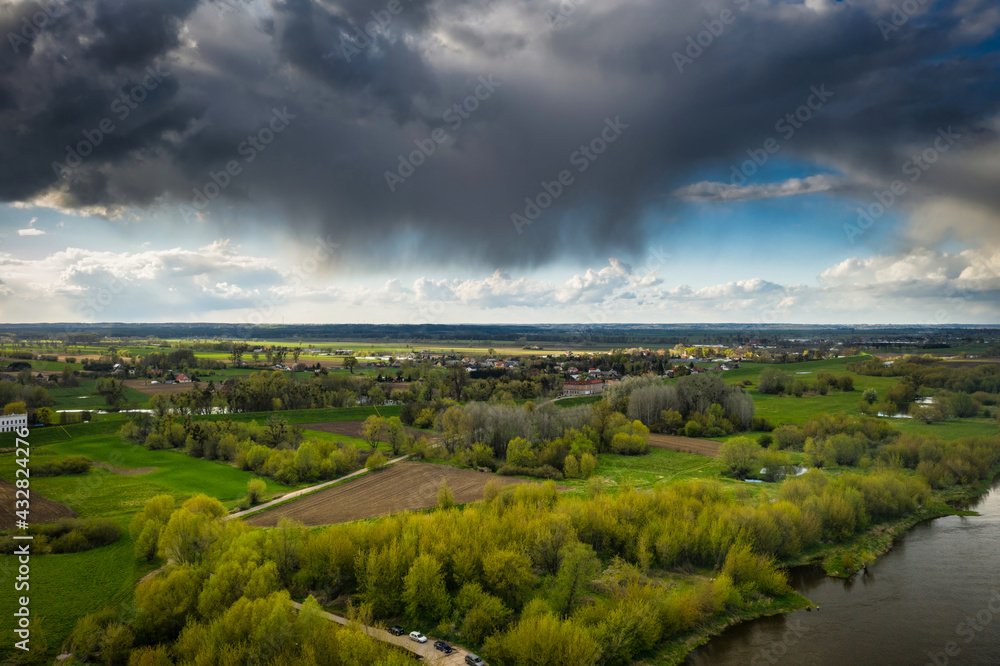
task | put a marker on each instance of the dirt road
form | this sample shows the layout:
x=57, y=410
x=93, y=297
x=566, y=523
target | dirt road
x=425, y=650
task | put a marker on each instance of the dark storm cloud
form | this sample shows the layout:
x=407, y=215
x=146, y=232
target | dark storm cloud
x=363, y=97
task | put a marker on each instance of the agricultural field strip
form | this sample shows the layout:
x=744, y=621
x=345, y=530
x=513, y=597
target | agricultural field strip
x=408, y=486
x=425, y=651
x=306, y=491
x=701, y=447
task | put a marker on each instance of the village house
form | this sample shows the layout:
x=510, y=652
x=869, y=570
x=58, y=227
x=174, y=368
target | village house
x=583, y=387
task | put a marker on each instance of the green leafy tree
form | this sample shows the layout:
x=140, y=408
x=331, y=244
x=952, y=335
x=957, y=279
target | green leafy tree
x=395, y=434
x=373, y=430
x=424, y=592
x=148, y=524
x=509, y=575
x=579, y=566
x=350, y=363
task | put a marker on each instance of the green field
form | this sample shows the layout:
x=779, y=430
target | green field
x=659, y=466
x=72, y=585
x=67, y=587
x=83, y=397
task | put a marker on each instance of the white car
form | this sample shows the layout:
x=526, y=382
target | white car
x=418, y=637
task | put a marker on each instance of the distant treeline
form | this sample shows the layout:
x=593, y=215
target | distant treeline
x=577, y=335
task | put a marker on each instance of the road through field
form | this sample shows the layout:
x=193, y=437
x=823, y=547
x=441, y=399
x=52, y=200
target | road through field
x=305, y=491
x=407, y=486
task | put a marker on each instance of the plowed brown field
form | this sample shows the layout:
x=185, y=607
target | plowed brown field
x=43, y=510
x=405, y=486
x=703, y=447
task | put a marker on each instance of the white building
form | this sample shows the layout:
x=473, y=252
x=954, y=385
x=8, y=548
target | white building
x=13, y=422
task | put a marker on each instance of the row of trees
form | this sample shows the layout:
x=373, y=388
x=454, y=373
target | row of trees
x=697, y=405
x=844, y=440
x=775, y=382
x=928, y=371
x=547, y=442
x=273, y=449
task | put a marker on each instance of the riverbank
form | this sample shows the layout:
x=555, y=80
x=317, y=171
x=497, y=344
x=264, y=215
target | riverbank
x=676, y=651
x=841, y=561
x=844, y=560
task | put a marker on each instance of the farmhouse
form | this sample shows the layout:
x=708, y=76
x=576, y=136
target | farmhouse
x=583, y=387
x=13, y=422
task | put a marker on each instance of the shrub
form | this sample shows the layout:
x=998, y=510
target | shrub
x=789, y=437
x=693, y=429
x=255, y=491
x=71, y=542
x=61, y=466
x=774, y=463
x=543, y=472
x=752, y=573
x=376, y=461
x=870, y=396
x=773, y=381
x=739, y=456
x=445, y=498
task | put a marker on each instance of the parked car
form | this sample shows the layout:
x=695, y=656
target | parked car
x=396, y=630
x=441, y=646
x=473, y=660
x=418, y=637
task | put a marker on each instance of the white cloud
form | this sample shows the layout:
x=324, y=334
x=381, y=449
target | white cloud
x=30, y=232
x=718, y=191
x=221, y=282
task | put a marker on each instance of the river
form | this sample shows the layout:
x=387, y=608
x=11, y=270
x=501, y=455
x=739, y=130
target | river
x=934, y=599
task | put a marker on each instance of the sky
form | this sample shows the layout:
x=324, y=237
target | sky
x=500, y=161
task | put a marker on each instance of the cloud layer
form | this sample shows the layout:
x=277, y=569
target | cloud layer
x=173, y=103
